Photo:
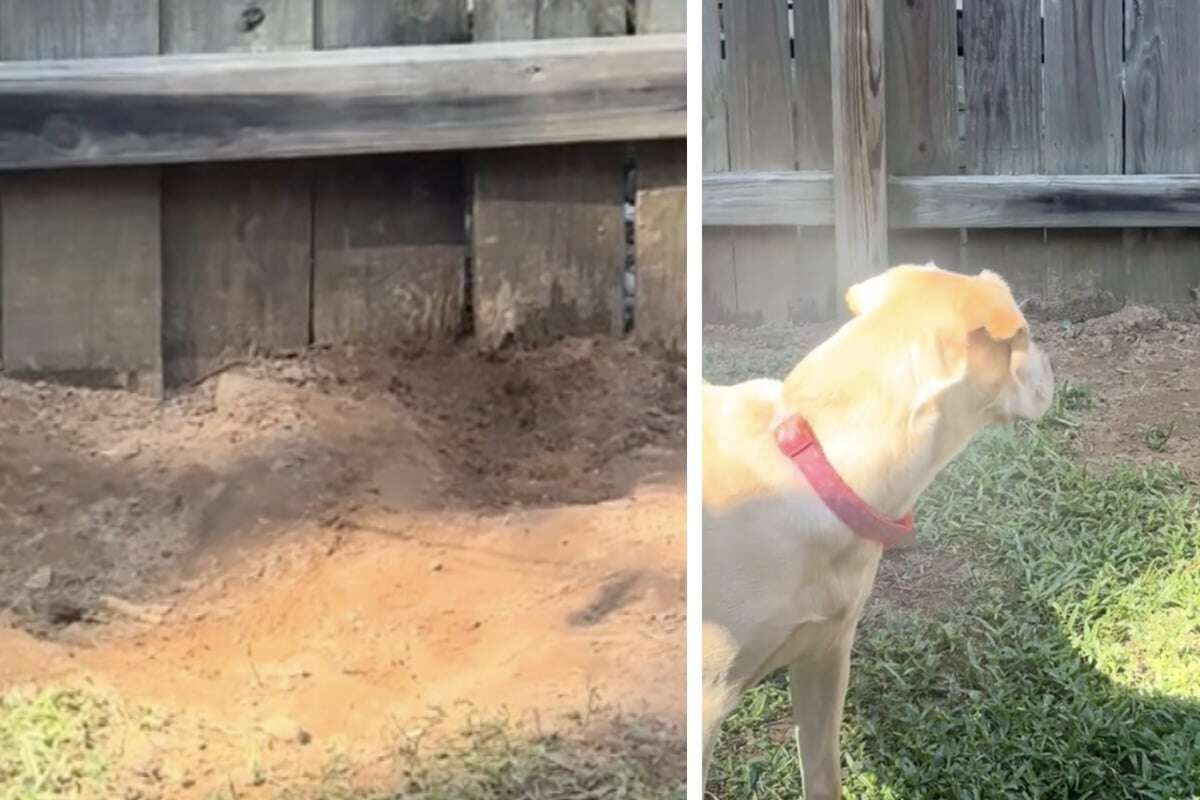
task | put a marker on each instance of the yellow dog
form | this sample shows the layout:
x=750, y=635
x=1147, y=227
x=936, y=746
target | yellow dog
x=806, y=481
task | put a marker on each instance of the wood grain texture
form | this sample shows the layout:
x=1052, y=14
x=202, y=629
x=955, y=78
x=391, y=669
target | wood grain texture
x=1002, y=51
x=236, y=261
x=1162, y=94
x=813, y=94
x=80, y=257
x=548, y=233
x=498, y=20
x=660, y=236
x=661, y=245
x=1083, y=88
x=236, y=26
x=813, y=104
x=922, y=115
x=1162, y=117
x=1002, y=54
x=660, y=16
x=967, y=201
x=548, y=236
x=718, y=280
x=1083, y=110
x=375, y=23
x=762, y=135
x=50, y=29
x=390, y=231
x=236, y=237
x=232, y=107
x=81, y=277
x=859, y=152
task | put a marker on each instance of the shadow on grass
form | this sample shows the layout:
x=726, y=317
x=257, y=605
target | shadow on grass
x=1067, y=667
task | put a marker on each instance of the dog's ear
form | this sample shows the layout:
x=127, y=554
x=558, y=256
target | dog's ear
x=993, y=308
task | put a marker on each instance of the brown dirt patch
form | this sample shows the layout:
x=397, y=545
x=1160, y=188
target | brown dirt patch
x=337, y=542
x=1141, y=372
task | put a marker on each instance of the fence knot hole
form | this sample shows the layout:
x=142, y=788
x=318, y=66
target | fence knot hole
x=252, y=17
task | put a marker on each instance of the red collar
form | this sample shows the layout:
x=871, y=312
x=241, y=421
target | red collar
x=797, y=441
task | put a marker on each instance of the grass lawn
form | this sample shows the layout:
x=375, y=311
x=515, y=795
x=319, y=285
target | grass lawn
x=66, y=743
x=1066, y=662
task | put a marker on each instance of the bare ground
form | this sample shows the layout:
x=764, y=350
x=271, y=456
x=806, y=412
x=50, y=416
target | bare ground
x=314, y=550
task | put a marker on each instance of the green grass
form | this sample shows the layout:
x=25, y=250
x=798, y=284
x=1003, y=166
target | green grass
x=53, y=743
x=65, y=743
x=1070, y=669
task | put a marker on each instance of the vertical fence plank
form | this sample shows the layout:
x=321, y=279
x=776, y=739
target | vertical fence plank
x=390, y=231
x=762, y=136
x=80, y=257
x=859, y=151
x=236, y=237
x=1002, y=51
x=1162, y=116
x=1082, y=85
x=661, y=16
x=922, y=114
x=661, y=235
x=717, y=265
x=222, y=26
x=369, y=23
x=813, y=105
x=548, y=224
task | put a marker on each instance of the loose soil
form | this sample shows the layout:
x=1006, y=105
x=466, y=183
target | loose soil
x=319, y=549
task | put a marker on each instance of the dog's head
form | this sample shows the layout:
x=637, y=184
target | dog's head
x=974, y=352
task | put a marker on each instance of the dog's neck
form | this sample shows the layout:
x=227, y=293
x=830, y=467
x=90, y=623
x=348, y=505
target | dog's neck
x=865, y=424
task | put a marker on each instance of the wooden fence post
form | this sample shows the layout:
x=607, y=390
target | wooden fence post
x=859, y=158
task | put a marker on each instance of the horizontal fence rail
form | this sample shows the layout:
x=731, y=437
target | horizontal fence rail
x=225, y=107
x=962, y=201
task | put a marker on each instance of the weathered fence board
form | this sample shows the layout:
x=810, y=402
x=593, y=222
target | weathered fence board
x=371, y=23
x=661, y=242
x=236, y=237
x=233, y=26
x=1162, y=116
x=762, y=135
x=1002, y=51
x=390, y=231
x=81, y=256
x=548, y=238
x=813, y=102
x=859, y=148
x=922, y=114
x=719, y=282
x=281, y=105
x=660, y=16
x=660, y=238
x=966, y=201
x=1083, y=108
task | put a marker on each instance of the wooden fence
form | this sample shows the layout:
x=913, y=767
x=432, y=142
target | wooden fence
x=162, y=211
x=1054, y=141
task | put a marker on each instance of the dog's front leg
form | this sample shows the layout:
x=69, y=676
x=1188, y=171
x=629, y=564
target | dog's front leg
x=818, y=687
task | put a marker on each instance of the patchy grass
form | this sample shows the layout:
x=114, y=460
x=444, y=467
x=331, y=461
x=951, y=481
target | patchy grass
x=1071, y=669
x=53, y=743
x=66, y=743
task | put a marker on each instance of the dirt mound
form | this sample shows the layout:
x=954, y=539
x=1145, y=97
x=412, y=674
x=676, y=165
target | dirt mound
x=310, y=551
x=109, y=494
